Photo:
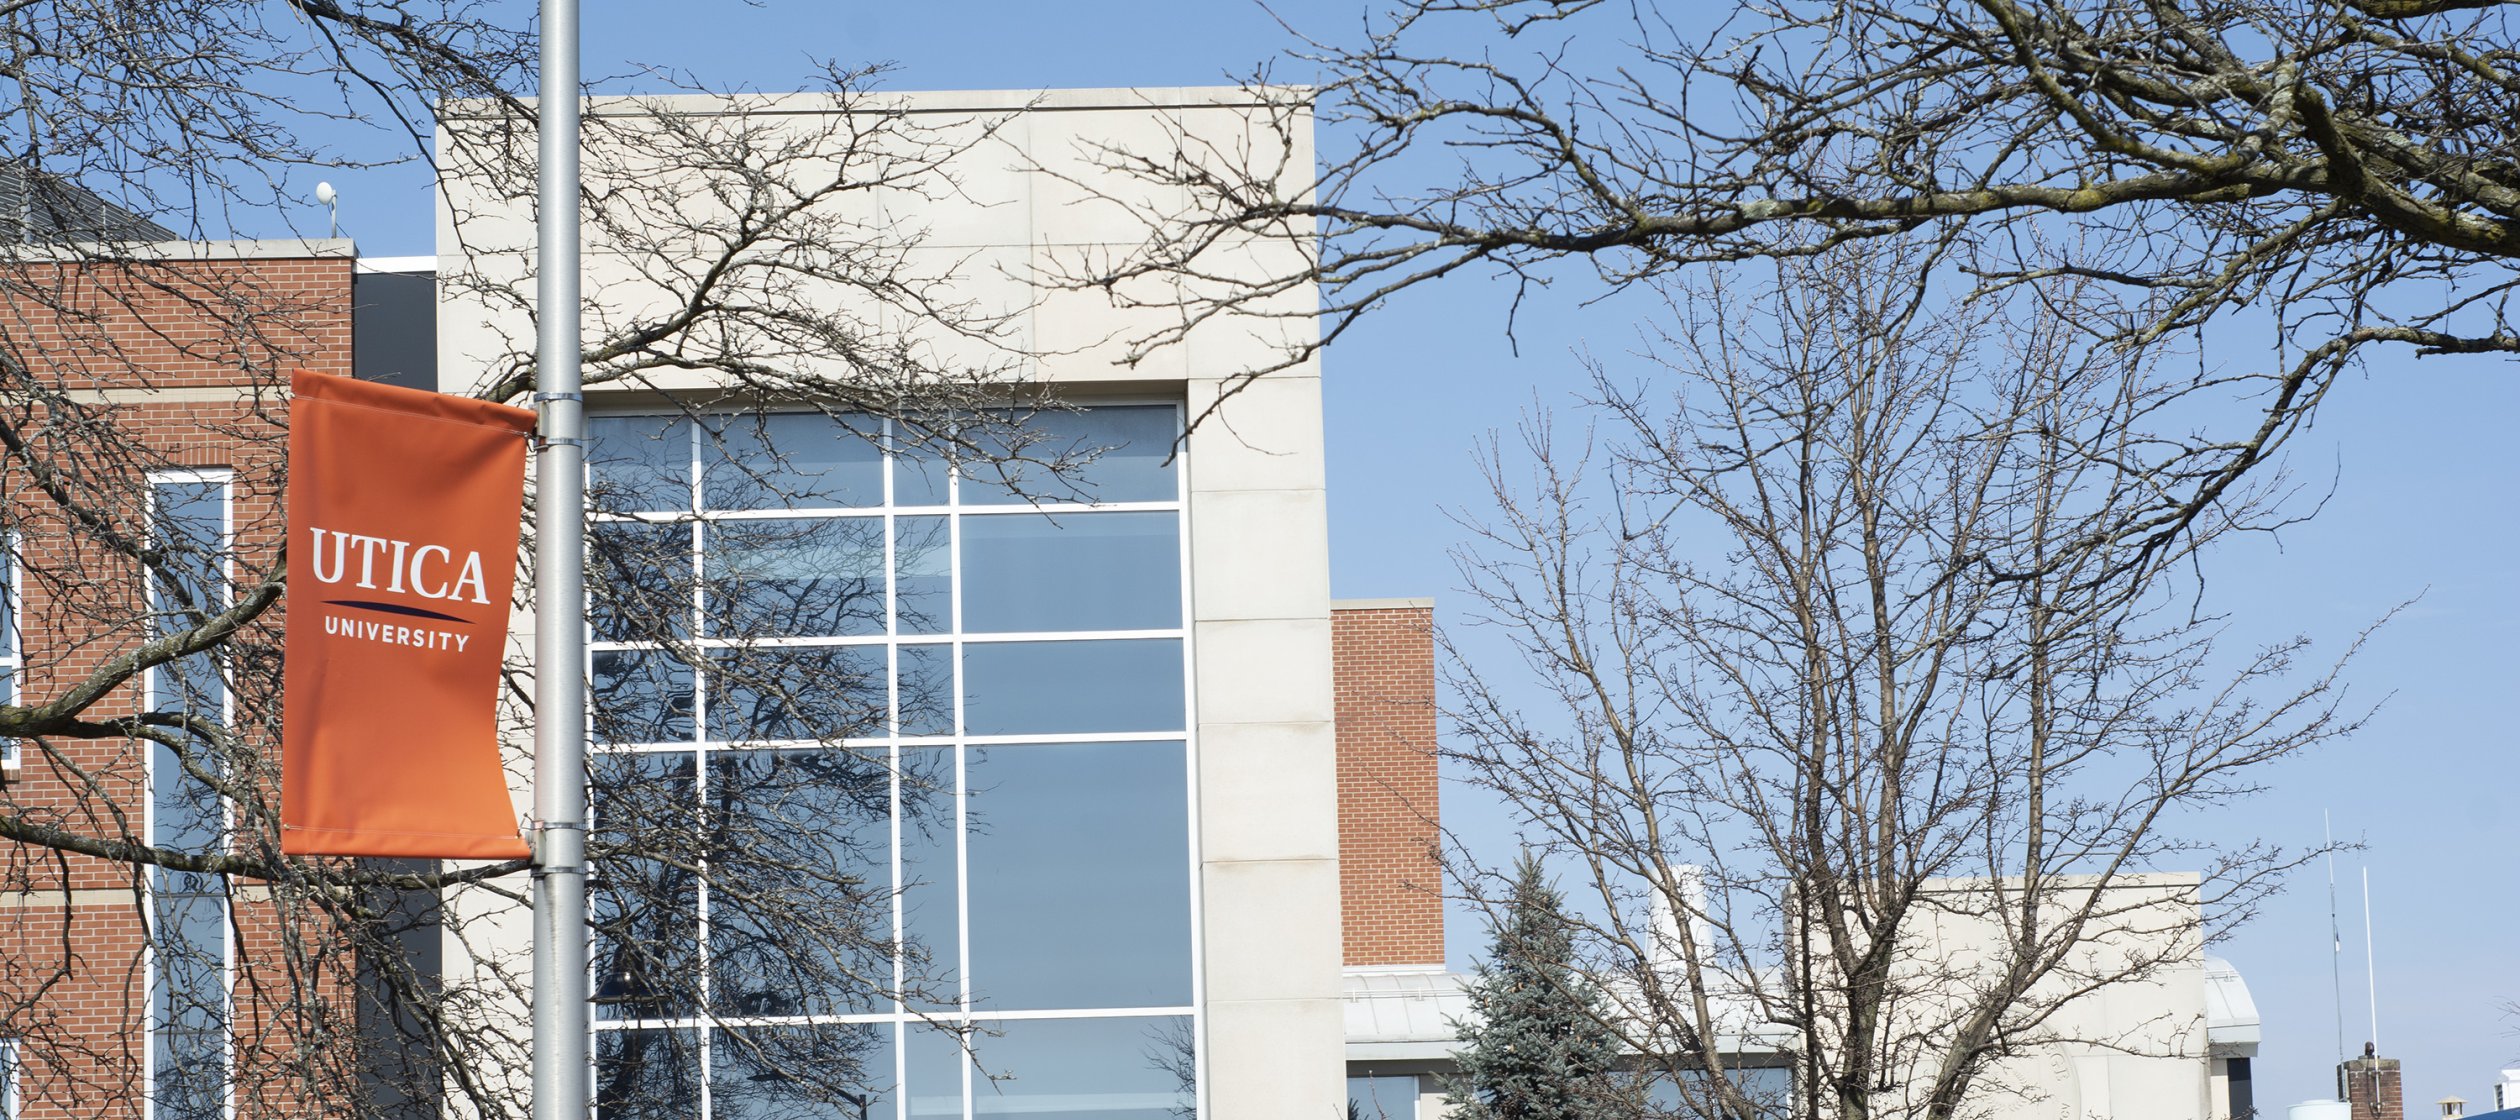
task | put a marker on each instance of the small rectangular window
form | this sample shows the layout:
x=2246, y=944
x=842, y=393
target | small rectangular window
x=12, y=659
x=1383, y=1096
x=8, y=1079
x=189, y=1057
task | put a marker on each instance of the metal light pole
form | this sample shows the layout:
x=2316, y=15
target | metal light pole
x=560, y=1024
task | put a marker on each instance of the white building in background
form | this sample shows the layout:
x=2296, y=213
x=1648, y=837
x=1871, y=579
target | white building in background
x=1132, y=686
x=1179, y=858
x=2177, y=1046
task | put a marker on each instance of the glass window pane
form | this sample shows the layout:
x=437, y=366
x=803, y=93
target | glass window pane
x=643, y=914
x=1030, y=688
x=189, y=521
x=800, y=874
x=923, y=575
x=920, y=474
x=1108, y=1069
x=1071, y=571
x=1390, y=1096
x=638, y=464
x=934, y=1085
x=188, y=996
x=798, y=692
x=795, y=578
x=1080, y=875
x=930, y=913
x=189, y=685
x=791, y=460
x=834, y=1072
x=641, y=696
x=1768, y=1090
x=647, y=1075
x=1111, y=454
x=926, y=688
x=638, y=578
x=185, y=812
x=8, y=602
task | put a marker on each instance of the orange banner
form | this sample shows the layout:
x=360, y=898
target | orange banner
x=403, y=509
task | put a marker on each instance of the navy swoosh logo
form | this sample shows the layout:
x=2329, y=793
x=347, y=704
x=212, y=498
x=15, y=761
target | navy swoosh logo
x=397, y=608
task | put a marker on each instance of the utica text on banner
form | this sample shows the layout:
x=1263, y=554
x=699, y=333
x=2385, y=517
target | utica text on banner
x=403, y=517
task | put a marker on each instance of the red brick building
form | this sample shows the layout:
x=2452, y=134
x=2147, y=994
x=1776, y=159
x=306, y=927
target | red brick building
x=147, y=417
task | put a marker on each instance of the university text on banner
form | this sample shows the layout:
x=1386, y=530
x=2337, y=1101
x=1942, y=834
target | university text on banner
x=403, y=516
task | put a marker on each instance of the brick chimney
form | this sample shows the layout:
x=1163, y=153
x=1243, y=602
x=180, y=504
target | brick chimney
x=2370, y=1085
x=1382, y=657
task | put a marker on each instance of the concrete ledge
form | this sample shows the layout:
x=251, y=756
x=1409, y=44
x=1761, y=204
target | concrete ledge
x=105, y=252
x=911, y=101
x=1424, y=604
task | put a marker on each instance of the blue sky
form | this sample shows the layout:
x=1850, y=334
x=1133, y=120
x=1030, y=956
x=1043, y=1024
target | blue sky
x=2423, y=506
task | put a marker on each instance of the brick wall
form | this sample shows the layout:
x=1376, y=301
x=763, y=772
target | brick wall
x=1390, y=882
x=2371, y=1086
x=143, y=366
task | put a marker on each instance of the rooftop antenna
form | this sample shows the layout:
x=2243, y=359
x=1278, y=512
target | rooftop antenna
x=2336, y=938
x=2370, y=974
x=330, y=199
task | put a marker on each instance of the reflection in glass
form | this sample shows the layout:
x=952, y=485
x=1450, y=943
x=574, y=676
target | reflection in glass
x=1768, y=1090
x=638, y=464
x=926, y=688
x=800, y=874
x=1390, y=1096
x=798, y=692
x=919, y=475
x=792, y=460
x=8, y=604
x=188, y=1009
x=923, y=575
x=795, y=578
x=930, y=914
x=1080, y=875
x=832, y=1072
x=935, y=1070
x=822, y=624
x=1109, y=454
x=187, y=911
x=1048, y=688
x=641, y=696
x=1135, y=1068
x=647, y=1074
x=188, y=521
x=638, y=581
x=643, y=911
x=1071, y=571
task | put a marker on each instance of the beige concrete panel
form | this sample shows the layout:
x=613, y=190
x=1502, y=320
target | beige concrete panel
x=1260, y=554
x=1085, y=335
x=624, y=292
x=1263, y=671
x=1266, y=143
x=1272, y=929
x=487, y=942
x=477, y=337
x=1078, y=197
x=1268, y=791
x=981, y=195
x=1266, y=436
x=1276, y=1060
x=2169, y=1088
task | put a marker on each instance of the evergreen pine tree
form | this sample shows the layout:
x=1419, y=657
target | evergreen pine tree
x=1535, y=1046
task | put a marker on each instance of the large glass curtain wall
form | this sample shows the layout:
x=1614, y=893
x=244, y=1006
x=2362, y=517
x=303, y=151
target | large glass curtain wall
x=892, y=806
